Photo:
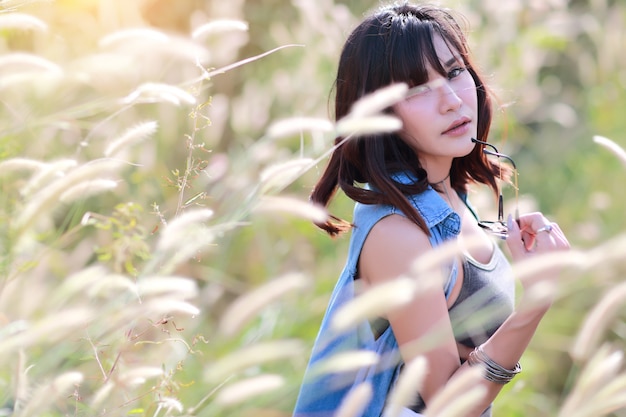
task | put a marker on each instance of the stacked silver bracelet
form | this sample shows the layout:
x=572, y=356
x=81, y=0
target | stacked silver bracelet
x=493, y=371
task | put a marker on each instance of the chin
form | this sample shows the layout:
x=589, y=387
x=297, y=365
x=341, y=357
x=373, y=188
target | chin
x=467, y=147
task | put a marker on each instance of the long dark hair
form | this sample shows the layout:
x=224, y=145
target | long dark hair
x=396, y=45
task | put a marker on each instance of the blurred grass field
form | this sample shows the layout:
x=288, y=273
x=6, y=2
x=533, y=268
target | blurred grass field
x=148, y=266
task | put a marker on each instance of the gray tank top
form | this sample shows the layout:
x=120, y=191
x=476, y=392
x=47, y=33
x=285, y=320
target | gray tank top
x=486, y=299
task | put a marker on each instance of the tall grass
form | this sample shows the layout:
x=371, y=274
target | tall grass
x=156, y=251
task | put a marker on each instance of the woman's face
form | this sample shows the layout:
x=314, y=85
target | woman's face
x=440, y=120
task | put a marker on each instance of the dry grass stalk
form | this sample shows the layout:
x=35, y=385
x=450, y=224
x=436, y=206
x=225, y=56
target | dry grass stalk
x=298, y=125
x=241, y=391
x=169, y=404
x=177, y=232
x=139, y=41
x=541, y=267
x=375, y=302
x=219, y=26
x=166, y=305
x=276, y=177
x=248, y=306
x=78, y=284
x=22, y=21
x=18, y=62
x=48, y=173
x=254, y=355
x=353, y=405
x=376, y=102
x=139, y=35
x=138, y=375
x=539, y=295
x=469, y=399
x=173, y=286
x=87, y=189
x=368, y=125
x=46, y=395
x=210, y=74
x=20, y=381
x=294, y=206
x=20, y=164
x=110, y=285
x=590, y=394
x=44, y=200
x=465, y=388
x=407, y=387
x=611, y=146
x=160, y=92
x=441, y=256
x=102, y=394
x=350, y=361
x=48, y=330
x=131, y=136
x=597, y=321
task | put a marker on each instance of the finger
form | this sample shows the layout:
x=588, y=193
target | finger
x=529, y=239
x=551, y=239
x=514, y=239
x=532, y=221
x=560, y=240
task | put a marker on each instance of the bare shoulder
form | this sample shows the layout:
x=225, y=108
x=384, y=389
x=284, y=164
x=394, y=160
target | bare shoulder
x=390, y=249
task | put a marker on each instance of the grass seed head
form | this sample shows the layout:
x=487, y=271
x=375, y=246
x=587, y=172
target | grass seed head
x=242, y=391
x=219, y=26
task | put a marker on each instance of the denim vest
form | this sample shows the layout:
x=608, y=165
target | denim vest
x=321, y=394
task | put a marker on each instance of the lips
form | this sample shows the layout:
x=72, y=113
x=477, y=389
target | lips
x=459, y=123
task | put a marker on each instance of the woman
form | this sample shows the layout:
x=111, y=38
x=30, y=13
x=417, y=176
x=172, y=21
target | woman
x=413, y=200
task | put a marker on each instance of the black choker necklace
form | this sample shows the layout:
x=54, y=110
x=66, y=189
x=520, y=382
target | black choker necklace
x=440, y=182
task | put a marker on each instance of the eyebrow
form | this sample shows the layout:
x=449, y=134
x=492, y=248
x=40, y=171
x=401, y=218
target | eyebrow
x=455, y=58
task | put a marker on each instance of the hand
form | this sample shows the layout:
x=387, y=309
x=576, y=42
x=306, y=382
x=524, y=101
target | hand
x=534, y=234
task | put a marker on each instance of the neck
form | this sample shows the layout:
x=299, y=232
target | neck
x=443, y=187
x=442, y=181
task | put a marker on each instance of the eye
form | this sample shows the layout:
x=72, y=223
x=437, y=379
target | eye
x=455, y=72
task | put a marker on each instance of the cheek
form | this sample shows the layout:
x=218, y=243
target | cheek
x=468, y=91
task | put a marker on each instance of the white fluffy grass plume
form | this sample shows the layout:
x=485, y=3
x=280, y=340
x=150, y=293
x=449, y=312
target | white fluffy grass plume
x=298, y=125
x=276, y=177
x=409, y=383
x=154, y=92
x=252, y=356
x=177, y=231
x=87, y=189
x=458, y=395
x=42, y=201
x=378, y=101
x=219, y=26
x=241, y=391
x=248, y=306
x=375, y=302
x=600, y=388
x=350, y=361
x=293, y=206
x=21, y=21
x=47, y=394
x=612, y=146
x=131, y=136
x=353, y=405
x=597, y=321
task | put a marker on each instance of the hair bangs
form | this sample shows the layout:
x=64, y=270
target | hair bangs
x=411, y=51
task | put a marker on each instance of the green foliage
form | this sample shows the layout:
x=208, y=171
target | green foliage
x=147, y=266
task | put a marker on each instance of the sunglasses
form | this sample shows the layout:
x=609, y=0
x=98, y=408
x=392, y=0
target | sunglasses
x=499, y=227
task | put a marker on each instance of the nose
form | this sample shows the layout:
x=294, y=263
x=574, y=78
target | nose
x=449, y=100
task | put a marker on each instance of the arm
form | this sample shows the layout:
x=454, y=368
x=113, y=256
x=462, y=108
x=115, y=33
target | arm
x=391, y=248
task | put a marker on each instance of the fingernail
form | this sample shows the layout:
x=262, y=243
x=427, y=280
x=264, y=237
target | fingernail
x=509, y=221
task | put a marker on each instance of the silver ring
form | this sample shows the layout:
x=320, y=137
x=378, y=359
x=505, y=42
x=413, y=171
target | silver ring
x=546, y=228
